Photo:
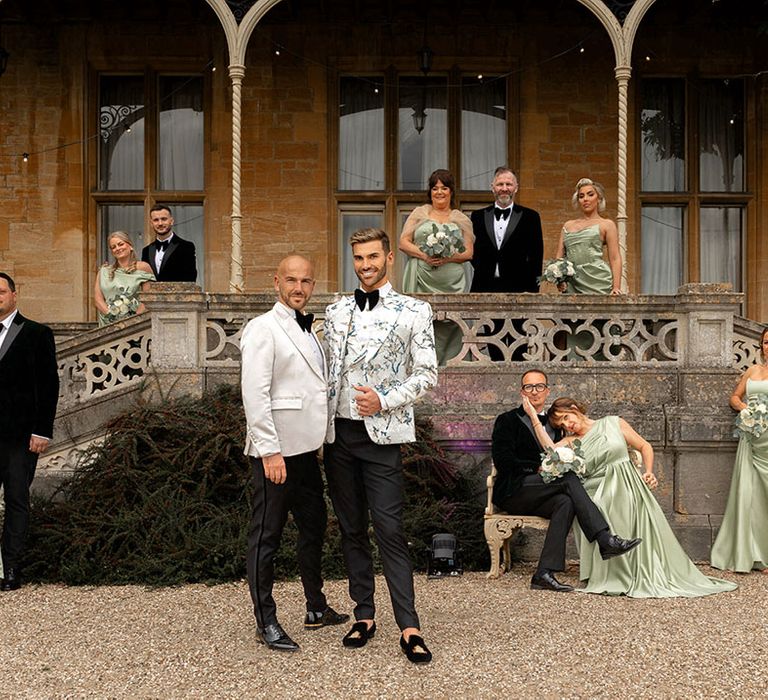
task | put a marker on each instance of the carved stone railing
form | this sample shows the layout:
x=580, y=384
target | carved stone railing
x=104, y=360
x=746, y=342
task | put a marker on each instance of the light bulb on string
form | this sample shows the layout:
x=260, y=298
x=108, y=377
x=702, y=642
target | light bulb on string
x=25, y=157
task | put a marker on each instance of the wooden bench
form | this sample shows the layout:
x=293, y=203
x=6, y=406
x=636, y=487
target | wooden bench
x=499, y=528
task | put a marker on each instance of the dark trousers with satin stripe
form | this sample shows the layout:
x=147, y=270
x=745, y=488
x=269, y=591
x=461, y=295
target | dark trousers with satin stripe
x=302, y=495
x=559, y=501
x=17, y=469
x=362, y=477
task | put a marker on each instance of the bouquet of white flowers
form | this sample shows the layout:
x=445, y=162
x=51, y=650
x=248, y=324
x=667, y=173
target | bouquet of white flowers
x=752, y=421
x=445, y=241
x=557, y=271
x=559, y=460
x=121, y=306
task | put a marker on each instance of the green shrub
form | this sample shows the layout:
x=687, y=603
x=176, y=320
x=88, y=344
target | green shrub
x=165, y=500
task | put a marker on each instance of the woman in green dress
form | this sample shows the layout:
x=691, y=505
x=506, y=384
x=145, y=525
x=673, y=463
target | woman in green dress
x=582, y=242
x=742, y=541
x=117, y=285
x=426, y=274
x=658, y=567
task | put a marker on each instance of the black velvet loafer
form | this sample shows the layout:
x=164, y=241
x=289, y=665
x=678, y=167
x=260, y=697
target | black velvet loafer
x=359, y=635
x=415, y=649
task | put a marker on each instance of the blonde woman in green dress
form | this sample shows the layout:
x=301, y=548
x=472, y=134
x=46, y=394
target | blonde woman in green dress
x=435, y=275
x=658, y=567
x=118, y=284
x=582, y=241
x=742, y=541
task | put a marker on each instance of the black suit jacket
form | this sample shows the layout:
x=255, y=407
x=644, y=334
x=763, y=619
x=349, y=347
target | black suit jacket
x=519, y=258
x=179, y=261
x=29, y=381
x=516, y=453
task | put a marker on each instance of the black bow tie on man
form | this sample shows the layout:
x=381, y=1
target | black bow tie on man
x=371, y=297
x=502, y=213
x=162, y=245
x=305, y=321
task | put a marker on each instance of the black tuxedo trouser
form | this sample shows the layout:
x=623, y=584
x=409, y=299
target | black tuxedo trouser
x=302, y=495
x=559, y=501
x=17, y=469
x=364, y=476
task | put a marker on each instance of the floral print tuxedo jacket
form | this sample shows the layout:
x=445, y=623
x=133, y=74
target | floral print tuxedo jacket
x=399, y=363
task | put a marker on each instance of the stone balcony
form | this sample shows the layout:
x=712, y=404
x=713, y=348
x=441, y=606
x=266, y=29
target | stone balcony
x=666, y=363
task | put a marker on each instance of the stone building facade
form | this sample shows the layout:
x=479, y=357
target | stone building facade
x=696, y=130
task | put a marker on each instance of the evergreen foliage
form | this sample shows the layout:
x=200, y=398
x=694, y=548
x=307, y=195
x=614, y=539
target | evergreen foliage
x=165, y=500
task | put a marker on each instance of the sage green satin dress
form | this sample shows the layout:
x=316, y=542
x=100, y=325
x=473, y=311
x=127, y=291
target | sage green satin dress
x=742, y=541
x=120, y=292
x=658, y=567
x=421, y=278
x=584, y=249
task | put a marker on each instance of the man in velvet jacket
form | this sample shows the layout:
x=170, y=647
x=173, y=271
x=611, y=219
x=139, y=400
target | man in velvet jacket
x=29, y=391
x=519, y=488
x=171, y=258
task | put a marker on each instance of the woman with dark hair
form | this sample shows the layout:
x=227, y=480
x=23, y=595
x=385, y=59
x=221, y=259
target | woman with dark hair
x=438, y=240
x=658, y=567
x=117, y=285
x=742, y=541
x=582, y=242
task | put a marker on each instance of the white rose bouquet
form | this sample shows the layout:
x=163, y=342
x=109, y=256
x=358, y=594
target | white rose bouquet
x=445, y=241
x=121, y=306
x=559, y=460
x=558, y=271
x=752, y=421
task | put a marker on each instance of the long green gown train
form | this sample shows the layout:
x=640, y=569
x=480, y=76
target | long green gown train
x=584, y=249
x=742, y=541
x=658, y=567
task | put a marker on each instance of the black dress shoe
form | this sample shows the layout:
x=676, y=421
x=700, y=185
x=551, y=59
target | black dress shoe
x=415, y=649
x=616, y=546
x=12, y=580
x=275, y=638
x=359, y=635
x=328, y=617
x=546, y=581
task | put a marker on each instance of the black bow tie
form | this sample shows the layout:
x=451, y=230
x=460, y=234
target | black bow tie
x=162, y=245
x=371, y=297
x=543, y=419
x=305, y=321
x=502, y=213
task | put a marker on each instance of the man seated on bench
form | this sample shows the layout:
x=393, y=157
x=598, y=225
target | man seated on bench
x=520, y=490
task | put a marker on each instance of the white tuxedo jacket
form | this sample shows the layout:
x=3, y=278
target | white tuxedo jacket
x=400, y=365
x=284, y=388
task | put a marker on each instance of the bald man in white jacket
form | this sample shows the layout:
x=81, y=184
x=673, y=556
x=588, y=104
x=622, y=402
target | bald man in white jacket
x=286, y=409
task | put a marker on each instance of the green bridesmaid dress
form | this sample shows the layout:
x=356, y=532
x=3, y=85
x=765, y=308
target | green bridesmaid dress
x=421, y=278
x=742, y=541
x=584, y=249
x=120, y=292
x=658, y=567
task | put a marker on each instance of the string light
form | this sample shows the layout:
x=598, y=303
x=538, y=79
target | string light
x=582, y=49
x=479, y=76
x=25, y=157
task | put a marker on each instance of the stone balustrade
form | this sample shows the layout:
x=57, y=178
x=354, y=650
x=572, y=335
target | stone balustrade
x=666, y=363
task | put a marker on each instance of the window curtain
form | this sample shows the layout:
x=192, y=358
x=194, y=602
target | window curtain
x=662, y=249
x=721, y=233
x=662, y=125
x=181, y=133
x=121, y=133
x=361, y=135
x=721, y=135
x=483, y=132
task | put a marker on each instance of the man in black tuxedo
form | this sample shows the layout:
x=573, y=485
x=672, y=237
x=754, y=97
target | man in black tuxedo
x=29, y=391
x=519, y=488
x=171, y=258
x=509, y=246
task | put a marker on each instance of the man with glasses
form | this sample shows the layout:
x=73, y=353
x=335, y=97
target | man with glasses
x=519, y=488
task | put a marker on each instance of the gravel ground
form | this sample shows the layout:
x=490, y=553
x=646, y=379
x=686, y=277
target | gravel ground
x=490, y=639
